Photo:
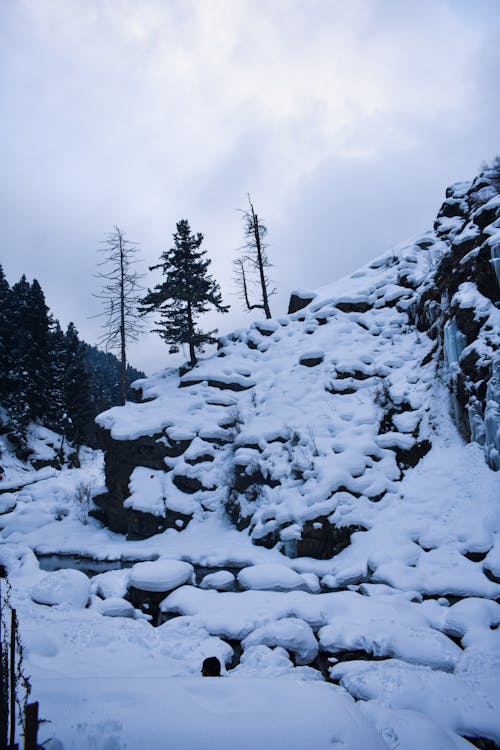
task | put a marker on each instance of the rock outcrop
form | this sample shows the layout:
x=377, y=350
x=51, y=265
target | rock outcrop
x=297, y=425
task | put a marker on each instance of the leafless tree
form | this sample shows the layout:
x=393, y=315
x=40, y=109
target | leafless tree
x=250, y=268
x=120, y=294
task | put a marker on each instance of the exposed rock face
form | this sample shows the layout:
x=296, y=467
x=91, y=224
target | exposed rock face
x=299, y=299
x=460, y=308
x=296, y=423
x=121, y=458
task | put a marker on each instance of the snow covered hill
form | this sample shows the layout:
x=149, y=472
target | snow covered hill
x=317, y=504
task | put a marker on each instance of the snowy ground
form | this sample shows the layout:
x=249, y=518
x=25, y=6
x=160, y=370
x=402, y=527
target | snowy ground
x=392, y=643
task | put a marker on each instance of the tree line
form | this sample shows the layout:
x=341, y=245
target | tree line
x=47, y=374
x=185, y=292
x=51, y=376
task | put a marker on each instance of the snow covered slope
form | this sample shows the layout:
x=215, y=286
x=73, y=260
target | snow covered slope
x=318, y=503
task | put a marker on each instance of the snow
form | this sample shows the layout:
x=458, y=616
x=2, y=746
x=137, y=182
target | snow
x=291, y=633
x=163, y=575
x=271, y=578
x=321, y=450
x=445, y=698
x=67, y=587
x=114, y=607
x=223, y=580
x=235, y=714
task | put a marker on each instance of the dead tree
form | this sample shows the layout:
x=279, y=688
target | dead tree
x=250, y=268
x=120, y=294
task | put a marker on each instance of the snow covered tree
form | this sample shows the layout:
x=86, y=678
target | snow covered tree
x=120, y=294
x=38, y=352
x=186, y=292
x=250, y=267
x=17, y=398
x=5, y=334
x=56, y=408
x=77, y=402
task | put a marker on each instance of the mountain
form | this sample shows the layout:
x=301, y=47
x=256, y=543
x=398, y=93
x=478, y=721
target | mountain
x=316, y=505
x=299, y=427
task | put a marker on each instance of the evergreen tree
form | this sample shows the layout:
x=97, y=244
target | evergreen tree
x=18, y=396
x=104, y=371
x=76, y=389
x=5, y=334
x=38, y=354
x=56, y=407
x=186, y=292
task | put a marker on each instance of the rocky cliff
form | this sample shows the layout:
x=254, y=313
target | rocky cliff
x=301, y=430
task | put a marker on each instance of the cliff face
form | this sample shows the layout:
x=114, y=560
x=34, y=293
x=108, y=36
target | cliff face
x=307, y=429
x=460, y=307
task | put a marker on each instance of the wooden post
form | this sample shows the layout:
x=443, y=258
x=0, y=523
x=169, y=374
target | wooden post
x=31, y=728
x=12, y=677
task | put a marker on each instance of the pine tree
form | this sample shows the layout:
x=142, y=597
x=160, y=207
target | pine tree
x=77, y=402
x=5, y=334
x=56, y=407
x=38, y=355
x=186, y=292
x=17, y=399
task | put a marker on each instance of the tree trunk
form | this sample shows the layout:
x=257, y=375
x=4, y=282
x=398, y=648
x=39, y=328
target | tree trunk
x=31, y=728
x=123, y=353
x=265, y=299
x=192, y=351
x=12, y=677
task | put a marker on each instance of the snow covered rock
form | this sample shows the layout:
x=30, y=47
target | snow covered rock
x=160, y=575
x=291, y=634
x=299, y=299
x=222, y=580
x=271, y=578
x=68, y=587
x=115, y=607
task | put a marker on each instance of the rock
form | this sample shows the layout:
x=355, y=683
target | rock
x=299, y=299
x=312, y=358
x=69, y=587
x=291, y=633
x=115, y=607
x=160, y=575
x=222, y=580
x=271, y=577
x=322, y=540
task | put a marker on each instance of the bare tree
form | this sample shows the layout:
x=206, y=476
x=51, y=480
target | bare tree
x=120, y=294
x=253, y=262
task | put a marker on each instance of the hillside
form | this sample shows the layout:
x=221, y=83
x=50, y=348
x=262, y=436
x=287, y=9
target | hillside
x=317, y=504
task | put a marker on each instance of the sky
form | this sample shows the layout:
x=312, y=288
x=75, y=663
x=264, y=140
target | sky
x=345, y=122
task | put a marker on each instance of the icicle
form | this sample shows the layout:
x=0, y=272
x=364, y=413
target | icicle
x=492, y=416
x=495, y=260
x=290, y=547
x=454, y=342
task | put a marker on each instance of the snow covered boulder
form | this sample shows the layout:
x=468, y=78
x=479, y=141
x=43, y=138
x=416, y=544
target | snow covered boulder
x=222, y=580
x=161, y=575
x=299, y=299
x=271, y=577
x=262, y=661
x=292, y=634
x=384, y=637
x=312, y=358
x=68, y=587
x=115, y=606
x=7, y=502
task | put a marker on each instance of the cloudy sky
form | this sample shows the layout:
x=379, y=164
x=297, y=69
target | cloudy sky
x=344, y=120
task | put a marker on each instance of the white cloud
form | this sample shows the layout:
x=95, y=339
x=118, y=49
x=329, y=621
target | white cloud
x=141, y=113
